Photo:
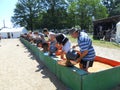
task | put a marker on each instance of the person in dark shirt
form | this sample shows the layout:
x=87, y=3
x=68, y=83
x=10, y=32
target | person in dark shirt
x=66, y=44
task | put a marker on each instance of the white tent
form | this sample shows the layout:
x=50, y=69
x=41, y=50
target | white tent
x=12, y=32
x=118, y=32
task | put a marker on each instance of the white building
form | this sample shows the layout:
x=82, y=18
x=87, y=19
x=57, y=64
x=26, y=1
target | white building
x=13, y=32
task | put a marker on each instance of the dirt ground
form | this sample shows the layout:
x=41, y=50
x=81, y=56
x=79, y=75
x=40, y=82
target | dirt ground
x=19, y=70
x=113, y=54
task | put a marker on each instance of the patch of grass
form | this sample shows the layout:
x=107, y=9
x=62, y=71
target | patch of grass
x=99, y=43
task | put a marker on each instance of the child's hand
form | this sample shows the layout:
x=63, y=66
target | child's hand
x=73, y=47
x=61, y=62
x=63, y=58
x=73, y=62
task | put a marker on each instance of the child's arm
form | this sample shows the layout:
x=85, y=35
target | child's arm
x=75, y=46
x=63, y=55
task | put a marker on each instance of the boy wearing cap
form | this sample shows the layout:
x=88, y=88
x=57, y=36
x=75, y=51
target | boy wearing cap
x=87, y=51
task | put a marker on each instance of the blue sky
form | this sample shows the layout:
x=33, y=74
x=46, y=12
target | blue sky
x=6, y=11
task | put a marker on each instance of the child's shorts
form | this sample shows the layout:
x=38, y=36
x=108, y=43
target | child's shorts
x=86, y=64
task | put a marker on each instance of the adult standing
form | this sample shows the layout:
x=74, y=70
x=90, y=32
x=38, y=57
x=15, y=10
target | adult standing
x=87, y=51
x=0, y=39
x=12, y=35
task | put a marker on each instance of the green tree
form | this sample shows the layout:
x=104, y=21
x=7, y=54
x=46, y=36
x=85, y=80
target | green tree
x=109, y=4
x=26, y=13
x=54, y=15
x=113, y=7
x=72, y=14
x=84, y=10
x=116, y=8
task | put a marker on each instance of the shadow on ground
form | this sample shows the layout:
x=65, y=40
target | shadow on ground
x=41, y=68
x=30, y=55
x=47, y=74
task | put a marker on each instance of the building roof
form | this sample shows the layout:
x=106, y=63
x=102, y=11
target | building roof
x=109, y=19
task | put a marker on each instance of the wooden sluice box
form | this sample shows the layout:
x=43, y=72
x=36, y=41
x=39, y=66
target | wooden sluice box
x=104, y=75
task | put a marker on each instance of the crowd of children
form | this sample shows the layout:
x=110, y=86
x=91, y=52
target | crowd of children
x=59, y=45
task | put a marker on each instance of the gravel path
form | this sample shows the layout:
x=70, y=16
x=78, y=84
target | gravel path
x=20, y=71
x=113, y=54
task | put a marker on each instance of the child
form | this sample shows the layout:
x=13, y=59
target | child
x=71, y=58
x=66, y=45
x=52, y=48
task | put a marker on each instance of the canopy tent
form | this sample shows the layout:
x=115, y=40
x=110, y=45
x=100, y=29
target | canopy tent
x=118, y=32
x=12, y=32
